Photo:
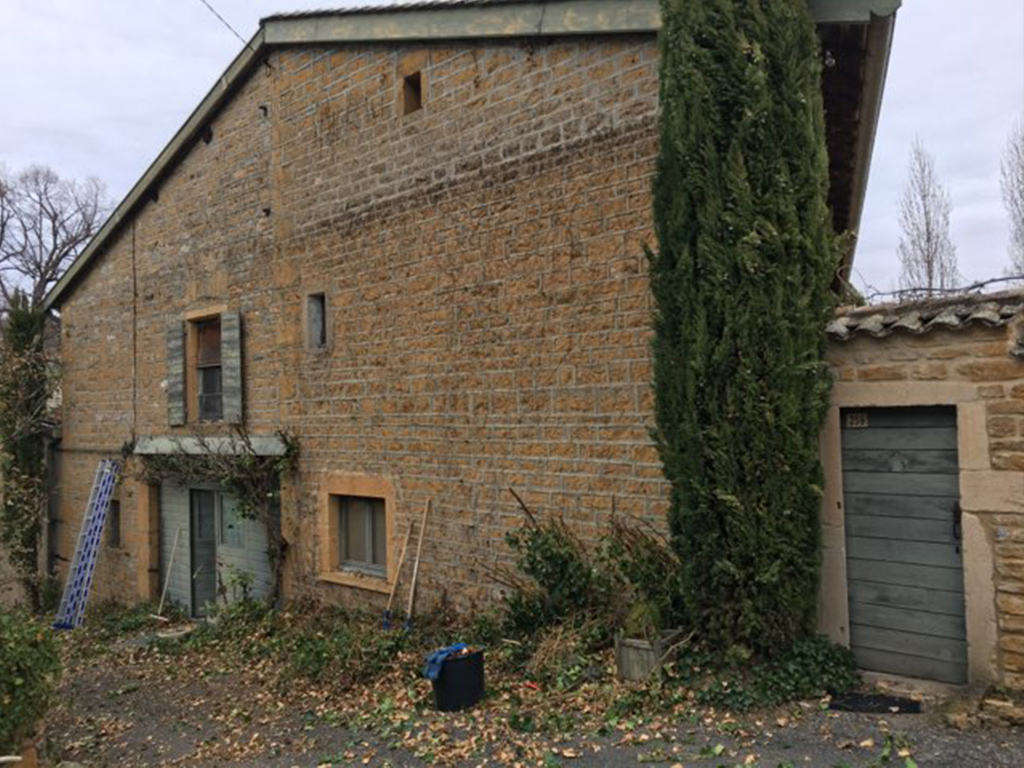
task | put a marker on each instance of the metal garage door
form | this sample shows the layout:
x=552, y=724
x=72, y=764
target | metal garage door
x=903, y=548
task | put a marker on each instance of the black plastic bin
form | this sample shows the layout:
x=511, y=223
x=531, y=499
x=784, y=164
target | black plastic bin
x=461, y=683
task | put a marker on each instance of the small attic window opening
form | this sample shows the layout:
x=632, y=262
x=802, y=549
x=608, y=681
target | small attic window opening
x=316, y=320
x=412, y=93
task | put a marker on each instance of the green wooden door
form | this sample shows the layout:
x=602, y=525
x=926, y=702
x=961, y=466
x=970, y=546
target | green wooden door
x=903, y=546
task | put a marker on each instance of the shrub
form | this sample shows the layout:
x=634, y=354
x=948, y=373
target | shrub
x=29, y=669
x=812, y=667
x=561, y=581
x=647, y=576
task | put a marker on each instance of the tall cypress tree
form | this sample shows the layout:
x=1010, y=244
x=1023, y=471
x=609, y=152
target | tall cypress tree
x=741, y=282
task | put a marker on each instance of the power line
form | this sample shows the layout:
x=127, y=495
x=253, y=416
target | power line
x=226, y=24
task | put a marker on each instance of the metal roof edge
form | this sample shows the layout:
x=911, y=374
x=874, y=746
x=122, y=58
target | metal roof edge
x=516, y=19
x=876, y=68
x=525, y=19
x=851, y=11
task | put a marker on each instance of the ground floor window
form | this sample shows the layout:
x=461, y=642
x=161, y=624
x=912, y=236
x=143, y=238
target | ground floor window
x=362, y=536
x=356, y=530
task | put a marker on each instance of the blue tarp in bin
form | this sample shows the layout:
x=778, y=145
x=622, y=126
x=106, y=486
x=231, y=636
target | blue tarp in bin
x=436, y=660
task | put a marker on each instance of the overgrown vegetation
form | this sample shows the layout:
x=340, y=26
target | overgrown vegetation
x=29, y=669
x=566, y=603
x=255, y=670
x=811, y=668
x=27, y=381
x=741, y=281
x=311, y=641
x=630, y=584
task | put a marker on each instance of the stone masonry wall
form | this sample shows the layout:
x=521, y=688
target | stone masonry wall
x=484, y=273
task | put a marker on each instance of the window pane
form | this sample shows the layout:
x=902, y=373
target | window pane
x=316, y=312
x=354, y=529
x=211, y=399
x=209, y=342
x=203, y=514
x=362, y=533
x=230, y=523
x=379, y=533
x=210, y=381
x=114, y=524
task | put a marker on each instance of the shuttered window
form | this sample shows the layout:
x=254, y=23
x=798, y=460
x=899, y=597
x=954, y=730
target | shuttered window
x=176, y=402
x=204, y=370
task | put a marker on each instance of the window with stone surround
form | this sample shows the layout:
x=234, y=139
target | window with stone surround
x=204, y=368
x=356, y=527
x=316, y=321
x=412, y=93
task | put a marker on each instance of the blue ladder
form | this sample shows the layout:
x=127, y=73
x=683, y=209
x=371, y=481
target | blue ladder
x=76, y=590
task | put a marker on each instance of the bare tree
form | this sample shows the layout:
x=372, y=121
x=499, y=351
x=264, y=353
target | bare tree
x=45, y=221
x=926, y=250
x=1012, y=179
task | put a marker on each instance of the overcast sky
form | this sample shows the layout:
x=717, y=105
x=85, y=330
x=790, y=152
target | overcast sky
x=98, y=87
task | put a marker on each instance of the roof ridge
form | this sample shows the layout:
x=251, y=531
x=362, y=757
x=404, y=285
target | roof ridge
x=402, y=5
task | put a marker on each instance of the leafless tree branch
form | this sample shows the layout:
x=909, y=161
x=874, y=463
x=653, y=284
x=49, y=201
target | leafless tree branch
x=926, y=250
x=1012, y=182
x=914, y=292
x=45, y=222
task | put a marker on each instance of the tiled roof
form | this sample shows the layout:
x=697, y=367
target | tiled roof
x=926, y=315
x=409, y=5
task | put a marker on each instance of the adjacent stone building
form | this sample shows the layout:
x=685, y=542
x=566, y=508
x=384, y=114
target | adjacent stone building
x=411, y=239
x=923, y=519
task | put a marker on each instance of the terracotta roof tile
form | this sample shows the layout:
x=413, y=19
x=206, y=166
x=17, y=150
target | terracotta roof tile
x=919, y=317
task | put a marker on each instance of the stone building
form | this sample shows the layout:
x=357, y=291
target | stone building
x=411, y=239
x=923, y=521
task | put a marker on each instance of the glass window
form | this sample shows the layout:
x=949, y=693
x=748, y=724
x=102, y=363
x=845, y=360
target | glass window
x=316, y=317
x=211, y=393
x=231, y=534
x=362, y=534
x=114, y=524
x=204, y=514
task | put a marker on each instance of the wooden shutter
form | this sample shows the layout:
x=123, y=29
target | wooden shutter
x=231, y=365
x=176, y=410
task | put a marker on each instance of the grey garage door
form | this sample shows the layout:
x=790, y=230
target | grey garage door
x=904, y=556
